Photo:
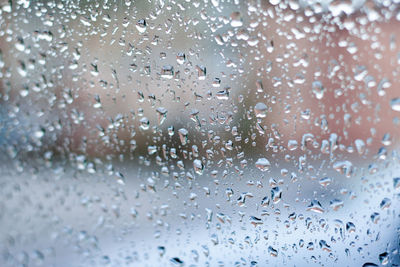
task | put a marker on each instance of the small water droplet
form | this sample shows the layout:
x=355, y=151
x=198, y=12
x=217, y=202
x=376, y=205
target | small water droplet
x=276, y=194
x=198, y=166
x=263, y=164
x=395, y=104
x=141, y=25
x=315, y=206
x=325, y=181
x=144, y=123
x=183, y=136
x=161, y=114
x=273, y=252
x=384, y=258
x=318, y=89
x=236, y=19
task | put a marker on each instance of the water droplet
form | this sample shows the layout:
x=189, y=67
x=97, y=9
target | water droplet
x=141, y=25
x=183, y=136
x=255, y=221
x=161, y=114
x=198, y=166
x=273, y=252
x=263, y=164
x=360, y=146
x=384, y=258
x=325, y=181
x=336, y=204
x=375, y=217
x=318, y=89
x=167, y=72
x=395, y=104
x=265, y=201
x=144, y=123
x=276, y=194
x=260, y=109
x=176, y=261
x=292, y=145
x=344, y=167
x=161, y=250
x=396, y=183
x=350, y=227
x=201, y=72
x=315, y=206
x=324, y=246
x=385, y=203
x=223, y=94
x=236, y=19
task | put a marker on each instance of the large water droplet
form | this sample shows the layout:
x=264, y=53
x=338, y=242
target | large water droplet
x=260, y=109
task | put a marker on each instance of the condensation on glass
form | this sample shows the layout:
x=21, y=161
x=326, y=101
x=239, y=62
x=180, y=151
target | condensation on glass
x=199, y=133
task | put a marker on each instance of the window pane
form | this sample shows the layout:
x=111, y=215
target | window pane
x=199, y=133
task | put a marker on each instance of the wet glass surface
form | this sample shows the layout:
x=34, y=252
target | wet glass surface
x=199, y=133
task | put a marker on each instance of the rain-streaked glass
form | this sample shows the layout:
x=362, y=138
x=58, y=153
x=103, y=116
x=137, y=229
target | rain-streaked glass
x=199, y=133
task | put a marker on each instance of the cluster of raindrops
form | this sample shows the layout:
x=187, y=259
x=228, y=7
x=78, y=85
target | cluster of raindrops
x=199, y=133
